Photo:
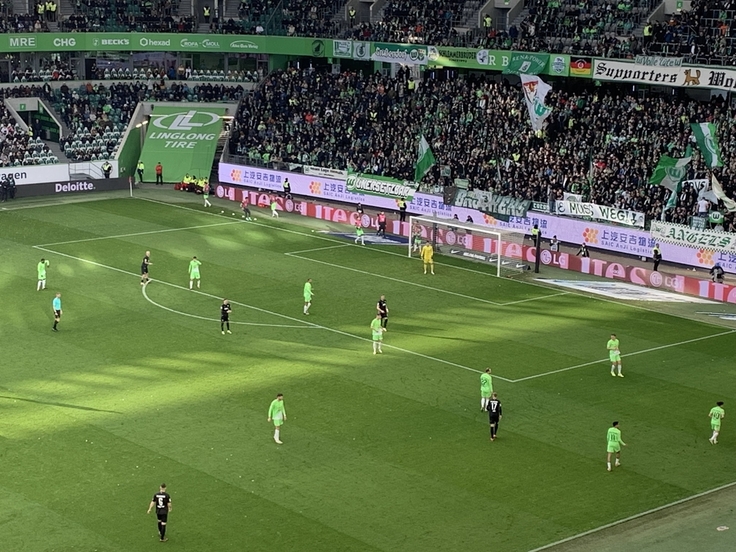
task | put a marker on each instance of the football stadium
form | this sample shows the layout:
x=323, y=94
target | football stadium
x=384, y=275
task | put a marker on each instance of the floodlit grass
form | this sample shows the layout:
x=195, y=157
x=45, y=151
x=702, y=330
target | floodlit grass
x=382, y=452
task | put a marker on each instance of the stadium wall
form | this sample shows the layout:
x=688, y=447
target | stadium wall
x=484, y=245
x=604, y=237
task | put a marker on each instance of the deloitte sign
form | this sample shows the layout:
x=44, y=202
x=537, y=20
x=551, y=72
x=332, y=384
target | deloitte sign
x=174, y=131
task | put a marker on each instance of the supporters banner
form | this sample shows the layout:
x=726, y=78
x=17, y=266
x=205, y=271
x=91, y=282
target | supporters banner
x=679, y=234
x=182, y=140
x=384, y=186
x=342, y=49
x=164, y=42
x=599, y=236
x=599, y=212
x=362, y=51
x=447, y=56
x=687, y=77
x=494, y=204
x=328, y=173
x=526, y=63
x=406, y=54
x=581, y=66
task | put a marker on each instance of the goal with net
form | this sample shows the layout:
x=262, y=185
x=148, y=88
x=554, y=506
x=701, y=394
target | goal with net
x=502, y=248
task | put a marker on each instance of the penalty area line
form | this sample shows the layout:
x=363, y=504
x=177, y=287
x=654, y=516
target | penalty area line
x=286, y=317
x=634, y=517
x=140, y=233
x=591, y=363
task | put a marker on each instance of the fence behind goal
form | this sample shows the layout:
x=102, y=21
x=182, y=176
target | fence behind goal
x=501, y=248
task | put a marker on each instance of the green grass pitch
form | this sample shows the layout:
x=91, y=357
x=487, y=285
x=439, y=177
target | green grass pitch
x=384, y=452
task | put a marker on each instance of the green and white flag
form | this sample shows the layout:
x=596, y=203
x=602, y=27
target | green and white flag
x=705, y=135
x=535, y=92
x=672, y=201
x=425, y=160
x=729, y=203
x=669, y=172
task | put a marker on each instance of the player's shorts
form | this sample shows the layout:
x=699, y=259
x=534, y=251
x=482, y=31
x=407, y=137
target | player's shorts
x=278, y=422
x=307, y=298
x=144, y=269
x=428, y=261
x=613, y=447
x=194, y=276
x=615, y=357
x=41, y=278
x=715, y=426
x=494, y=420
x=377, y=336
x=57, y=314
x=485, y=394
x=225, y=318
x=162, y=517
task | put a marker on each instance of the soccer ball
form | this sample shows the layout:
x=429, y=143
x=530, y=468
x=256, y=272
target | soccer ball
x=255, y=219
x=243, y=216
x=222, y=212
x=233, y=214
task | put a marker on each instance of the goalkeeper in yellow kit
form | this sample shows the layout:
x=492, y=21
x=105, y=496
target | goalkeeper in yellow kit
x=427, y=255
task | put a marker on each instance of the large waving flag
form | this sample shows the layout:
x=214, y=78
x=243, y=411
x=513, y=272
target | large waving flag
x=729, y=203
x=669, y=172
x=535, y=91
x=705, y=135
x=425, y=160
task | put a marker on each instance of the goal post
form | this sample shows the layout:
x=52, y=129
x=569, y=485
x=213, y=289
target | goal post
x=501, y=248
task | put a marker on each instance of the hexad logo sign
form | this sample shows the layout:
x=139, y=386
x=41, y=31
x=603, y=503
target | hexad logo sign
x=315, y=188
x=590, y=235
x=705, y=257
x=185, y=120
x=488, y=219
x=235, y=175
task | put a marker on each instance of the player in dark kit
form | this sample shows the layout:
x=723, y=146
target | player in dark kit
x=495, y=413
x=225, y=310
x=382, y=309
x=144, y=268
x=162, y=502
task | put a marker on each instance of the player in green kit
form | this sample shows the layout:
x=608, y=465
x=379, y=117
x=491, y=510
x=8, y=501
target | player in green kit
x=615, y=355
x=277, y=413
x=42, y=274
x=486, y=389
x=308, y=294
x=716, y=415
x=377, y=330
x=194, y=265
x=359, y=234
x=614, y=442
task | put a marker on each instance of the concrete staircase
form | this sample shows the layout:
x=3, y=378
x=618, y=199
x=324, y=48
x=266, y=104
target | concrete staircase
x=65, y=130
x=221, y=143
x=469, y=17
x=517, y=21
x=185, y=8
x=231, y=10
x=64, y=10
x=57, y=151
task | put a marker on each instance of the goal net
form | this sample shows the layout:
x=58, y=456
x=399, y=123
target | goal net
x=501, y=248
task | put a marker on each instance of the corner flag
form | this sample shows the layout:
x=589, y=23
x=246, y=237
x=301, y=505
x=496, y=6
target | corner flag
x=425, y=160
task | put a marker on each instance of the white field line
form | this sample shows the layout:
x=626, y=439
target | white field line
x=308, y=324
x=386, y=252
x=317, y=249
x=634, y=517
x=66, y=201
x=438, y=290
x=141, y=233
x=626, y=355
x=534, y=299
x=145, y=294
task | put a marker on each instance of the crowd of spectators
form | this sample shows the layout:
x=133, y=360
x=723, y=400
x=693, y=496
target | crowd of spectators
x=50, y=70
x=429, y=22
x=128, y=15
x=162, y=73
x=601, y=142
x=703, y=34
x=17, y=145
x=22, y=23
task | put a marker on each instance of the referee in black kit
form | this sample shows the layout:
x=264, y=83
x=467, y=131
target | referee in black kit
x=382, y=309
x=225, y=310
x=162, y=502
x=495, y=413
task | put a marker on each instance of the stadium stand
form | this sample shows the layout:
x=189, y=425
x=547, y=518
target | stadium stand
x=160, y=73
x=288, y=17
x=18, y=147
x=22, y=23
x=98, y=115
x=128, y=15
x=51, y=70
x=479, y=129
x=704, y=34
